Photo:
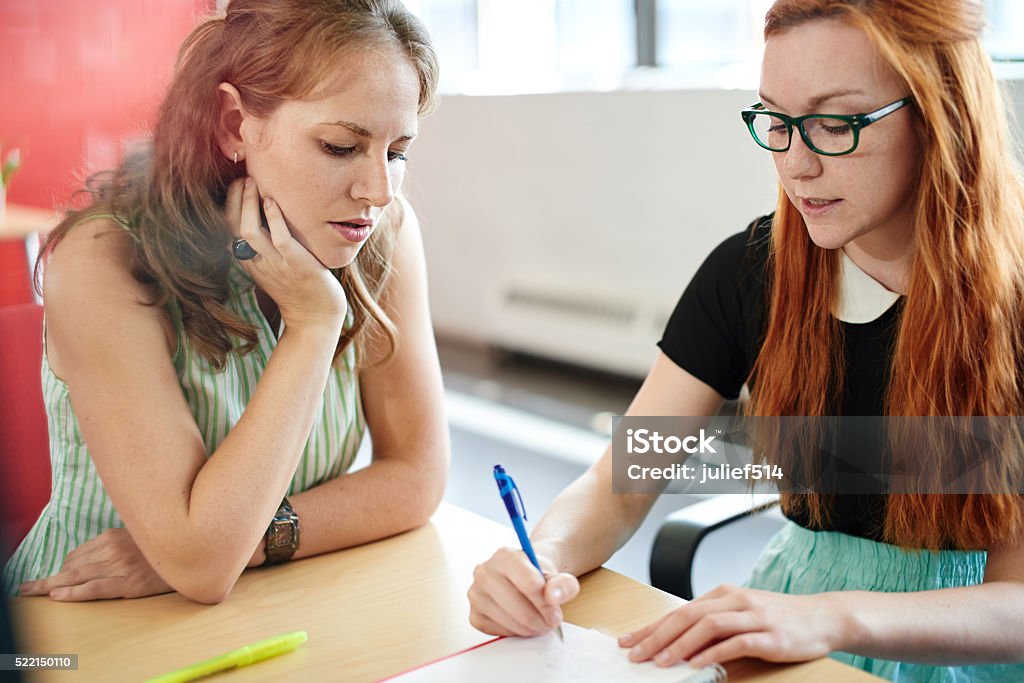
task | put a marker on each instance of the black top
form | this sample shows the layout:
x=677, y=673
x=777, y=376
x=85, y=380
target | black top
x=717, y=329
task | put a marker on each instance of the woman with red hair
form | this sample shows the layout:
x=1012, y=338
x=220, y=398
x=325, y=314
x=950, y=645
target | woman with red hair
x=236, y=306
x=889, y=282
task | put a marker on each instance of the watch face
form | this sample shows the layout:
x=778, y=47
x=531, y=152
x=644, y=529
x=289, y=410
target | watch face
x=280, y=535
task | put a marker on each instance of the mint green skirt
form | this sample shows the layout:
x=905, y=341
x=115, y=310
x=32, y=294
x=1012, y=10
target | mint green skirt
x=800, y=561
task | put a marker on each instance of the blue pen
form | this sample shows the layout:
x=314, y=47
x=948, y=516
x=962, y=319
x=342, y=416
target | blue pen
x=507, y=487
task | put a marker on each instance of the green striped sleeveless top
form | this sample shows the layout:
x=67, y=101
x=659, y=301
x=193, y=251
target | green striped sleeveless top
x=80, y=509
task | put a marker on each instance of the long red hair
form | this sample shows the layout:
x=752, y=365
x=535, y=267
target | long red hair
x=959, y=348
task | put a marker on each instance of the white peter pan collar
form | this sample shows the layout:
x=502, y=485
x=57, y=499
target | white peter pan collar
x=861, y=297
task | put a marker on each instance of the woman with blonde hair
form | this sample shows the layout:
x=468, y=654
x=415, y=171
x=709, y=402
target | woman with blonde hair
x=888, y=282
x=236, y=306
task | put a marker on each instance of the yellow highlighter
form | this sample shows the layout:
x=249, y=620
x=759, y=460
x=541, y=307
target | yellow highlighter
x=243, y=656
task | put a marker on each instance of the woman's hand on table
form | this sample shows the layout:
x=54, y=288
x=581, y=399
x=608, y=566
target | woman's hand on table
x=108, y=566
x=729, y=623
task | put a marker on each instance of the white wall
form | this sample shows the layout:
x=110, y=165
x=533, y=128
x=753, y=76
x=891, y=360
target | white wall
x=598, y=205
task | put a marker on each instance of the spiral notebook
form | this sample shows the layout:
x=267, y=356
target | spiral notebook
x=585, y=656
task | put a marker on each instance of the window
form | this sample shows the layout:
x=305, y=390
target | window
x=696, y=32
x=517, y=46
x=498, y=46
x=453, y=28
x=1005, y=35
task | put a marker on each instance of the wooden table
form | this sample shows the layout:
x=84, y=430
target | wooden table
x=371, y=612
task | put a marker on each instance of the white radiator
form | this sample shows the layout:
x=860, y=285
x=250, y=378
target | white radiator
x=567, y=225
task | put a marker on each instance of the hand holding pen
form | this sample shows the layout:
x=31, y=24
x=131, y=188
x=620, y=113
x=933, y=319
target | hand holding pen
x=517, y=513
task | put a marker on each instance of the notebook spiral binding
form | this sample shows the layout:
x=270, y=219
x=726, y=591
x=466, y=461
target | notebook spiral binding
x=713, y=673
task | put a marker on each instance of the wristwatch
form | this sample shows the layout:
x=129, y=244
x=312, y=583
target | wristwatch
x=282, y=535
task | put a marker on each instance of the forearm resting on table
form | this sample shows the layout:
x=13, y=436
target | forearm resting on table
x=201, y=550
x=952, y=626
x=387, y=497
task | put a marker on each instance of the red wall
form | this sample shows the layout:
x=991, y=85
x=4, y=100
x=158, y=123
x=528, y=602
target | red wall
x=79, y=78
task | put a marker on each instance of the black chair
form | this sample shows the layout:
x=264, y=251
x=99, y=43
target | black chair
x=675, y=546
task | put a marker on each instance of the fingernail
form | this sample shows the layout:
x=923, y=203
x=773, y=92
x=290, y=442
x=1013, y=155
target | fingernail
x=267, y=202
x=248, y=181
x=625, y=638
x=59, y=593
x=663, y=658
x=555, y=616
x=636, y=652
x=557, y=593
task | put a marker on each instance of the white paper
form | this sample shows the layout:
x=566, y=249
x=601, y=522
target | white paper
x=586, y=656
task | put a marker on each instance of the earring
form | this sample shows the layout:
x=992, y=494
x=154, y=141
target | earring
x=234, y=157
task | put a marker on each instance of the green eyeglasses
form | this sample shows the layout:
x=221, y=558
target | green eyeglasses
x=832, y=135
